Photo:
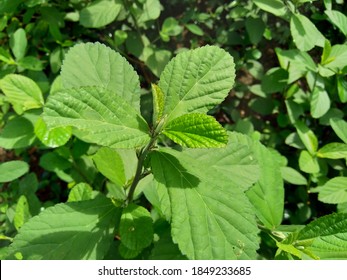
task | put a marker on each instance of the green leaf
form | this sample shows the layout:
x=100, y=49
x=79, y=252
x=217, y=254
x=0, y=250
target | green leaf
x=151, y=11
x=158, y=60
x=196, y=131
x=338, y=19
x=305, y=33
x=335, y=62
x=22, y=92
x=333, y=191
x=158, y=103
x=52, y=138
x=275, y=80
x=52, y=161
x=12, y=170
x=195, y=29
x=22, y=213
x=320, y=102
x=341, y=84
x=170, y=27
x=136, y=227
x=18, y=132
x=267, y=195
x=255, y=28
x=99, y=13
x=203, y=206
x=326, y=237
x=340, y=128
x=70, y=231
x=307, y=137
x=79, y=192
x=97, y=65
x=276, y=7
x=197, y=80
x=292, y=176
x=18, y=43
x=308, y=163
x=333, y=151
x=101, y=116
x=30, y=63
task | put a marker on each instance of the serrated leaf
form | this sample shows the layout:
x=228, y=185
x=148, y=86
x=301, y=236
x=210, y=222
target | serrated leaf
x=203, y=206
x=99, y=13
x=340, y=128
x=292, y=176
x=320, y=103
x=196, y=131
x=81, y=191
x=197, y=80
x=94, y=64
x=70, y=231
x=333, y=191
x=22, y=92
x=136, y=227
x=333, y=151
x=326, y=237
x=101, y=116
x=52, y=138
x=12, y=170
x=158, y=103
x=305, y=33
x=267, y=195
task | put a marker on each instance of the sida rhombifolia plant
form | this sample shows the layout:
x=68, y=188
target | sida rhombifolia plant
x=210, y=192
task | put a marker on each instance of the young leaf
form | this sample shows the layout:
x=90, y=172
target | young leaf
x=101, y=116
x=136, y=227
x=197, y=80
x=333, y=151
x=70, y=231
x=94, y=64
x=267, y=195
x=158, y=103
x=196, y=131
x=12, y=170
x=305, y=33
x=22, y=92
x=333, y=191
x=22, y=213
x=204, y=205
x=99, y=13
x=340, y=128
x=326, y=237
x=18, y=43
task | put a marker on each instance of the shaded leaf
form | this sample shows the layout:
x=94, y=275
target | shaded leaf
x=12, y=170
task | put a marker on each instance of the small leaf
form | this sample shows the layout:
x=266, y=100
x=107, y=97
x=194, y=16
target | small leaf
x=170, y=27
x=196, y=131
x=195, y=29
x=79, y=192
x=255, y=28
x=333, y=191
x=341, y=84
x=12, y=170
x=136, y=227
x=292, y=176
x=150, y=11
x=197, y=80
x=52, y=138
x=99, y=13
x=101, y=116
x=158, y=103
x=30, y=63
x=305, y=33
x=52, y=161
x=22, y=213
x=333, y=151
x=70, y=231
x=338, y=19
x=307, y=137
x=340, y=128
x=320, y=102
x=18, y=43
x=276, y=7
x=308, y=163
x=22, y=92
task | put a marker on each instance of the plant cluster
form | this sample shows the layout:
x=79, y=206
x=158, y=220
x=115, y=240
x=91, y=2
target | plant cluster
x=187, y=129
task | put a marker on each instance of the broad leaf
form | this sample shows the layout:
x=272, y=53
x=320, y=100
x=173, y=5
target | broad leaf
x=305, y=33
x=97, y=65
x=196, y=131
x=136, y=227
x=333, y=151
x=333, y=191
x=22, y=92
x=18, y=43
x=267, y=195
x=22, y=213
x=197, y=80
x=340, y=128
x=325, y=237
x=203, y=206
x=335, y=62
x=70, y=231
x=101, y=116
x=338, y=19
x=52, y=138
x=276, y=7
x=12, y=170
x=320, y=102
x=99, y=13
